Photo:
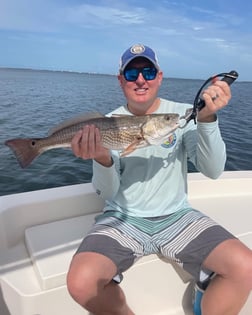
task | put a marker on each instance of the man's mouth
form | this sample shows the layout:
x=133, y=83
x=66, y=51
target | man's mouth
x=141, y=90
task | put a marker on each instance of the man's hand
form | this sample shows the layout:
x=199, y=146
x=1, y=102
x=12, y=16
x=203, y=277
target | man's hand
x=86, y=144
x=216, y=96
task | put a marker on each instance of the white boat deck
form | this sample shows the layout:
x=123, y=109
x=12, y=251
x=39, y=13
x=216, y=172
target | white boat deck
x=40, y=231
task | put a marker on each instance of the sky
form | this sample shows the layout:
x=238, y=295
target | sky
x=192, y=38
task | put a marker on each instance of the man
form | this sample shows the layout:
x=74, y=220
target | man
x=146, y=207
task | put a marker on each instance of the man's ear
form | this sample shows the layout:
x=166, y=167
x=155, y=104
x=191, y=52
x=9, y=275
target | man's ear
x=119, y=77
x=160, y=77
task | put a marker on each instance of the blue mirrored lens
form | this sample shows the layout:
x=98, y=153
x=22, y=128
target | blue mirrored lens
x=133, y=73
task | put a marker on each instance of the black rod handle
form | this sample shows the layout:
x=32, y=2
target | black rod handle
x=229, y=77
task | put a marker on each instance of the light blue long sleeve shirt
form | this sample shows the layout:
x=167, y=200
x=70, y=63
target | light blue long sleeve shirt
x=152, y=181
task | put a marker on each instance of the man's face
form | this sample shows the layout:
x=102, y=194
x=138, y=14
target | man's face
x=140, y=92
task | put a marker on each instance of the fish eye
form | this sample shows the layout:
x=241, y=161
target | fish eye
x=167, y=117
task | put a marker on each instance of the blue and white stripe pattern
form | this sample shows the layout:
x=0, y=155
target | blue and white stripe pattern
x=167, y=235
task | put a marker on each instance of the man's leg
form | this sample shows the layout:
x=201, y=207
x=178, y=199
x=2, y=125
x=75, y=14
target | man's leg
x=232, y=262
x=89, y=283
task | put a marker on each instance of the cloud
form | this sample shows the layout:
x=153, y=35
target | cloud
x=181, y=33
x=96, y=15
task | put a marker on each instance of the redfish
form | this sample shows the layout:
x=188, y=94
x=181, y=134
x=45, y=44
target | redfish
x=124, y=133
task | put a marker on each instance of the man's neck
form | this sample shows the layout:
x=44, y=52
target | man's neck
x=144, y=109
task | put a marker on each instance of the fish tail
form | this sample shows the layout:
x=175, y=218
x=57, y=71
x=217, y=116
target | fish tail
x=24, y=150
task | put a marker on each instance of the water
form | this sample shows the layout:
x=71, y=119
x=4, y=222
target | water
x=31, y=102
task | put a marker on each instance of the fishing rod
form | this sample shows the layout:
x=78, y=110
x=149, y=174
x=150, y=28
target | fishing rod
x=199, y=103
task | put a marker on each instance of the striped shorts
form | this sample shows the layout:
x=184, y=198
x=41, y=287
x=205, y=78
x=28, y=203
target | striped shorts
x=185, y=237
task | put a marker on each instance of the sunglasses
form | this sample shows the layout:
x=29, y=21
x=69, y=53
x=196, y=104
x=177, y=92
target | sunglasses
x=132, y=74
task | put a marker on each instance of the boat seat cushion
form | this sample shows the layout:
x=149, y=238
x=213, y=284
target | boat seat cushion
x=52, y=245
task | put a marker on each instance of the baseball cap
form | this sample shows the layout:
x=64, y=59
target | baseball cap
x=135, y=51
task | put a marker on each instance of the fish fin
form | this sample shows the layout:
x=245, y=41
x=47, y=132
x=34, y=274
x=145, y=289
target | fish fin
x=75, y=120
x=138, y=143
x=24, y=150
x=120, y=115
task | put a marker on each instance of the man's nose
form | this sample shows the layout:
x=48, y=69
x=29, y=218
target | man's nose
x=140, y=78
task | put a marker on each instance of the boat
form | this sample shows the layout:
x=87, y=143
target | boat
x=40, y=231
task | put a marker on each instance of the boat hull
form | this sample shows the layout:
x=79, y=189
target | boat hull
x=40, y=231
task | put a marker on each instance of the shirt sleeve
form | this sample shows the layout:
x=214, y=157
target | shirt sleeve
x=106, y=180
x=206, y=149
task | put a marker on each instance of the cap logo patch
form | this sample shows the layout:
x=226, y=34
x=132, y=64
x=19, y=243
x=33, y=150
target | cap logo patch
x=137, y=49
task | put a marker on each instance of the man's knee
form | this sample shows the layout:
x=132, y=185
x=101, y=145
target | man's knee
x=80, y=286
x=240, y=266
x=245, y=272
x=88, y=274
x=241, y=262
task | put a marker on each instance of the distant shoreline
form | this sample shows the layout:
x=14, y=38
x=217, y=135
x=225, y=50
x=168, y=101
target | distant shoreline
x=47, y=70
x=96, y=73
x=78, y=72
